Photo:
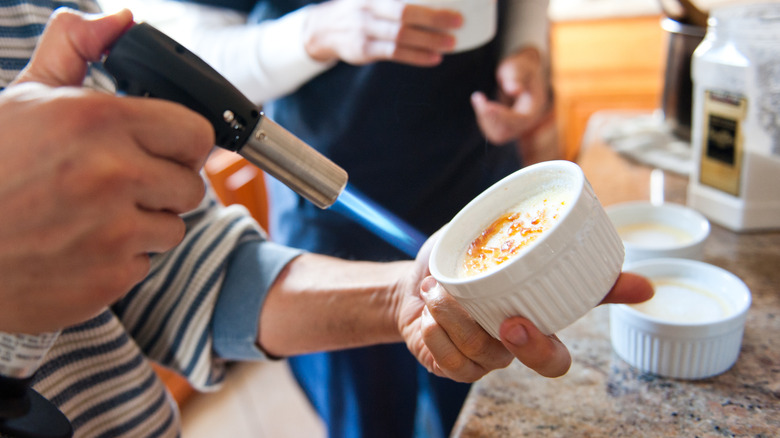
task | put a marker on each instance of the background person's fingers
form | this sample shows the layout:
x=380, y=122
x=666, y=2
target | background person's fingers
x=438, y=19
x=422, y=39
x=498, y=122
x=390, y=50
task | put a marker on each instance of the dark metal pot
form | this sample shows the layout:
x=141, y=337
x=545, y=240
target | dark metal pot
x=677, y=98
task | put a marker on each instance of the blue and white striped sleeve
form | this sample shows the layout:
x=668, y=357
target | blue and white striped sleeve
x=199, y=306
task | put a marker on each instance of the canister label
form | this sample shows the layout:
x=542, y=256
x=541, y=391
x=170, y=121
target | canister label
x=722, y=142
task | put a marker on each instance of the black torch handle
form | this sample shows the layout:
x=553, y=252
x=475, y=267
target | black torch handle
x=146, y=62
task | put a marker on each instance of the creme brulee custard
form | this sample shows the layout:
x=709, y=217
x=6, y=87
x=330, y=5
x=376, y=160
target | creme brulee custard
x=654, y=235
x=514, y=231
x=682, y=302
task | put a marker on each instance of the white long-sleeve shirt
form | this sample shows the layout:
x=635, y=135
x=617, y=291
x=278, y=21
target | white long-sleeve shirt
x=268, y=60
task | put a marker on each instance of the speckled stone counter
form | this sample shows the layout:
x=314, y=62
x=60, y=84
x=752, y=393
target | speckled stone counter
x=602, y=396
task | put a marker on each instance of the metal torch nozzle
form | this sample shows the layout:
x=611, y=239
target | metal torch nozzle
x=296, y=164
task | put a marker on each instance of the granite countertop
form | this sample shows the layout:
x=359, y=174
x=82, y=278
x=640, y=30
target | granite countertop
x=603, y=396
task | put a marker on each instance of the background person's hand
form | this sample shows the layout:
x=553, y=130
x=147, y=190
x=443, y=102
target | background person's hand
x=523, y=98
x=364, y=31
x=449, y=343
x=92, y=183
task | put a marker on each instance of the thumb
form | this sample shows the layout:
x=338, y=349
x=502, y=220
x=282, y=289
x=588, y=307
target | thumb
x=71, y=40
x=486, y=111
x=495, y=120
x=509, y=81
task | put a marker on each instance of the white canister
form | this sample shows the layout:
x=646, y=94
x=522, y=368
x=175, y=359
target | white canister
x=736, y=118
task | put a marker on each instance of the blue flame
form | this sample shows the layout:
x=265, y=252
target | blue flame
x=375, y=218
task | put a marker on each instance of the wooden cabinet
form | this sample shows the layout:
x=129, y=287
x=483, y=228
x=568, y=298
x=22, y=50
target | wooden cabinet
x=178, y=386
x=611, y=63
x=235, y=181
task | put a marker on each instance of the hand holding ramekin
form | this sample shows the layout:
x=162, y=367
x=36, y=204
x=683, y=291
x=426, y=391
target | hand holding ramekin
x=556, y=277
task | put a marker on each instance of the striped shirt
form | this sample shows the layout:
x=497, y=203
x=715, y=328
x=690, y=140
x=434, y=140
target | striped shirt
x=196, y=310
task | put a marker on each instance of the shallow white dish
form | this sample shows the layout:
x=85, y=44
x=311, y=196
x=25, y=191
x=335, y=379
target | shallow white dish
x=566, y=272
x=657, y=231
x=691, y=329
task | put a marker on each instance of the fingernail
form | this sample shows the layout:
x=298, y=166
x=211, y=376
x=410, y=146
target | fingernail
x=453, y=20
x=449, y=42
x=479, y=100
x=524, y=103
x=517, y=335
x=458, y=22
x=427, y=285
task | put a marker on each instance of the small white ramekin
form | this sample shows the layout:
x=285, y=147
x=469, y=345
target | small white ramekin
x=684, y=350
x=672, y=217
x=565, y=273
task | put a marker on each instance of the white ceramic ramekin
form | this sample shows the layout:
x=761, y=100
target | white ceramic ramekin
x=674, y=344
x=566, y=272
x=657, y=231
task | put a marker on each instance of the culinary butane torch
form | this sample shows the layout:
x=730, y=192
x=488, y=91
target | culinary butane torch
x=146, y=62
